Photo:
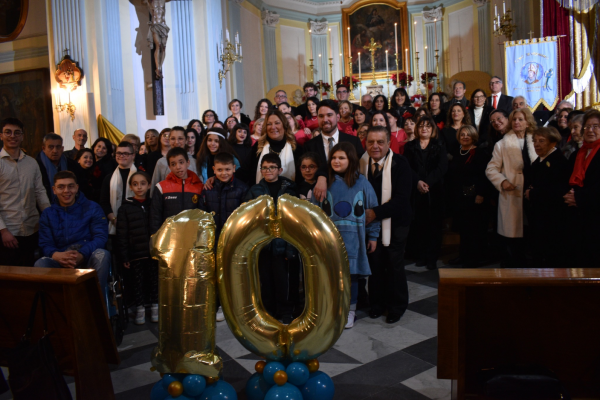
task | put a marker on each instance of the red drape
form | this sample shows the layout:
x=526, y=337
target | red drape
x=556, y=22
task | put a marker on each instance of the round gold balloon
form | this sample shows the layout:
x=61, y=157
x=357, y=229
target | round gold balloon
x=280, y=378
x=260, y=366
x=326, y=273
x=187, y=295
x=175, y=389
x=313, y=365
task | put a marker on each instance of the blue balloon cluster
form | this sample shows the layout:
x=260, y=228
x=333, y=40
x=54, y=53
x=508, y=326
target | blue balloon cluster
x=194, y=388
x=300, y=385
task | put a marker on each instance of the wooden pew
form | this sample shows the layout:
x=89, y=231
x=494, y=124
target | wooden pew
x=83, y=340
x=493, y=317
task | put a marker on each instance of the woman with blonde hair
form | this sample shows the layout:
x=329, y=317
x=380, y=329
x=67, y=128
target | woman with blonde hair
x=509, y=171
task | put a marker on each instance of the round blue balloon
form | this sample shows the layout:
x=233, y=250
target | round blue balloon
x=257, y=387
x=167, y=379
x=297, y=373
x=220, y=390
x=182, y=397
x=318, y=387
x=194, y=385
x=158, y=392
x=284, y=392
x=270, y=370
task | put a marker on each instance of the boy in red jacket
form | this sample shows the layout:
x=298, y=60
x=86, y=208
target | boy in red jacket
x=180, y=191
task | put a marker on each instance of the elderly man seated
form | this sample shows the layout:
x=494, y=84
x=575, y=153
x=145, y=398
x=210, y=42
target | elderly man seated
x=74, y=231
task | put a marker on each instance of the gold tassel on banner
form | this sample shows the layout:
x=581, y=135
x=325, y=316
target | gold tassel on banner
x=108, y=130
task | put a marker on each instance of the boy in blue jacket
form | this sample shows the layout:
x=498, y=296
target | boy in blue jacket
x=74, y=231
x=278, y=263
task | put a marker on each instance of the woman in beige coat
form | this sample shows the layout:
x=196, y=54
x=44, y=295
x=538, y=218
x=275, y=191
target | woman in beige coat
x=511, y=159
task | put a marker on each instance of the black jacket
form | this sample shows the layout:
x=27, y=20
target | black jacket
x=549, y=183
x=484, y=123
x=315, y=145
x=446, y=106
x=222, y=200
x=71, y=166
x=133, y=235
x=588, y=198
x=151, y=160
x=100, y=170
x=398, y=208
x=505, y=103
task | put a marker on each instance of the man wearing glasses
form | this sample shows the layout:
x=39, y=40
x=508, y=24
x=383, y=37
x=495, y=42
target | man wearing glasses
x=21, y=190
x=52, y=160
x=498, y=100
x=115, y=188
x=342, y=93
x=280, y=98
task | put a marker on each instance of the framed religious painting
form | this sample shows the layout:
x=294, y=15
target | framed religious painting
x=13, y=14
x=386, y=23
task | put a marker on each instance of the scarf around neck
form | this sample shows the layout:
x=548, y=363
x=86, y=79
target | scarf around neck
x=582, y=162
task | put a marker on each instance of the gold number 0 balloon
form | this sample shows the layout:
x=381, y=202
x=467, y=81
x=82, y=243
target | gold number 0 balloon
x=326, y=275
x=187, y=295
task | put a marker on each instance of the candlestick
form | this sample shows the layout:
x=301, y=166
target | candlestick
x=438, y=88
x=359, y=91
x=331, y=95
x=312, y=70
x=418, y=78
x=350, y=75
x=359, y=72
x=435, y=32
x=396, y=35
x=310, y=53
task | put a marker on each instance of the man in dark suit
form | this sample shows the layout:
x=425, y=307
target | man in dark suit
x=80, y=138
x=280, y=98
x=497, y=100
x=328, y=115
x=459, y=89
x=310, y=90
x=388, y=288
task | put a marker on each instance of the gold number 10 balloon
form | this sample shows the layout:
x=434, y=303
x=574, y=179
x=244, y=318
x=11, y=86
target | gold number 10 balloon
x=187, y=300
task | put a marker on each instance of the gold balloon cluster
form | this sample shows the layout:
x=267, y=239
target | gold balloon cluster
x=187, y=285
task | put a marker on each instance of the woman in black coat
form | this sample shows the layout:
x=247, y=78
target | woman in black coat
x=468, y=188
x=429, y=163
x=549, y=182
x=104, y=165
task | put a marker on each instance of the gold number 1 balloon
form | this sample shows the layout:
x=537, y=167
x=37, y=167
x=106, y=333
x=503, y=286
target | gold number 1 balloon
x=184, y=247
x=326, y=273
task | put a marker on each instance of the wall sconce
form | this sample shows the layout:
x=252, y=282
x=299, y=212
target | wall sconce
x=68, y=75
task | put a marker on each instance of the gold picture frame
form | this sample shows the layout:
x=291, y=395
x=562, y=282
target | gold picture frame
x=15, y=11
x=375, y=19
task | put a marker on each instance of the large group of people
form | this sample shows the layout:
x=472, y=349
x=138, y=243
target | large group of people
x=519, y=186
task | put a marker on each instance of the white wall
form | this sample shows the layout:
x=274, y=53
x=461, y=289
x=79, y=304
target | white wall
x=293, y=55
x=36, y=20
x=461, y=41
x=254, y=83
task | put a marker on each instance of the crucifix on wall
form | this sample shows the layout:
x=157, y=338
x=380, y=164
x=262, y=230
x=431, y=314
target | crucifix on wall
x=158, y=33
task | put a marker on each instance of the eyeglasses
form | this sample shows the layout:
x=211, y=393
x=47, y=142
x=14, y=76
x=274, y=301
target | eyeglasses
x=209, y=115
x=479, y=97
x=495, y=82
x=308, y=167
x=269, y=169
x=62, y=188
x=12, y=133
x=591, y=127
x=120, y=154
x=281, y=96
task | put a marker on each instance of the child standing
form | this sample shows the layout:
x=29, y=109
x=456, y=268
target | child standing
x=349, y=195
x=131, y=245
x=278, y=263
x=309, y=165
x=178, y=192
x=226, y=194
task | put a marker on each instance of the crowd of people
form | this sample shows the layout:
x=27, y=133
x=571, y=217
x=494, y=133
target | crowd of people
x=519, y=187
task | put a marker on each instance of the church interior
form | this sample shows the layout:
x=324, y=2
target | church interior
x=512, y=319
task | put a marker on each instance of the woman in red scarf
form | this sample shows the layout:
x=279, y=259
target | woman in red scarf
x=585, y=190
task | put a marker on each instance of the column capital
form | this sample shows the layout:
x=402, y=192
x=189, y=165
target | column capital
x=431, y=14
x=269, y=18
x=318, y=27
x=480, y=3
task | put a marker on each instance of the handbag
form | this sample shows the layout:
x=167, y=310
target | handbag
x=33, y=369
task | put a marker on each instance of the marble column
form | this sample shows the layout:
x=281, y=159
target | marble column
x=182, y=30
x=116, y=94
x=433, y=20
x=235, y=22
x=270, y=20
x=485, y=40
x=318, y=39
x=215, y=35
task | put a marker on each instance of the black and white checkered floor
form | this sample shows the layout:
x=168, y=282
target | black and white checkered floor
x=372, y=360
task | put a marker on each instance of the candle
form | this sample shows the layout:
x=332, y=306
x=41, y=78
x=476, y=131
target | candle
x=415, y=32
x=425, y=62
x=435, y=32
x=496, y=10
x=330, y=44
x=310, y=44
x=341, y=66
x=396, y=36
x=499, y=21
x=349, y=44
x=359, y=66
x=387, y=72
x=504, y=7
x=227, y=34
x=406, y=57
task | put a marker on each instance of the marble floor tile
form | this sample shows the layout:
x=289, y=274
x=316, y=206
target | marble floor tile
x=428, y=385
x=233, y=348
x=336, y=369
x=424, y=307
x=419, y=292
x=425, y=326
x=137, y=339
x=425, y=350
x=129, y=378
x=399, y=337
x=362, y=348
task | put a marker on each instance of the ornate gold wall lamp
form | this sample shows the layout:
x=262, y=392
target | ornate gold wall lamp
x=68, y=75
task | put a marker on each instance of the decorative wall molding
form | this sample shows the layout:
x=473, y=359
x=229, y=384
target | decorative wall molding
x=238, y=2
x=480, y=3
x=269, y=18
x=430, y=15
x=318, y=27
x=22, y=54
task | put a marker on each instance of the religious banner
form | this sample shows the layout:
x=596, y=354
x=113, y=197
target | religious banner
x=532, y=71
